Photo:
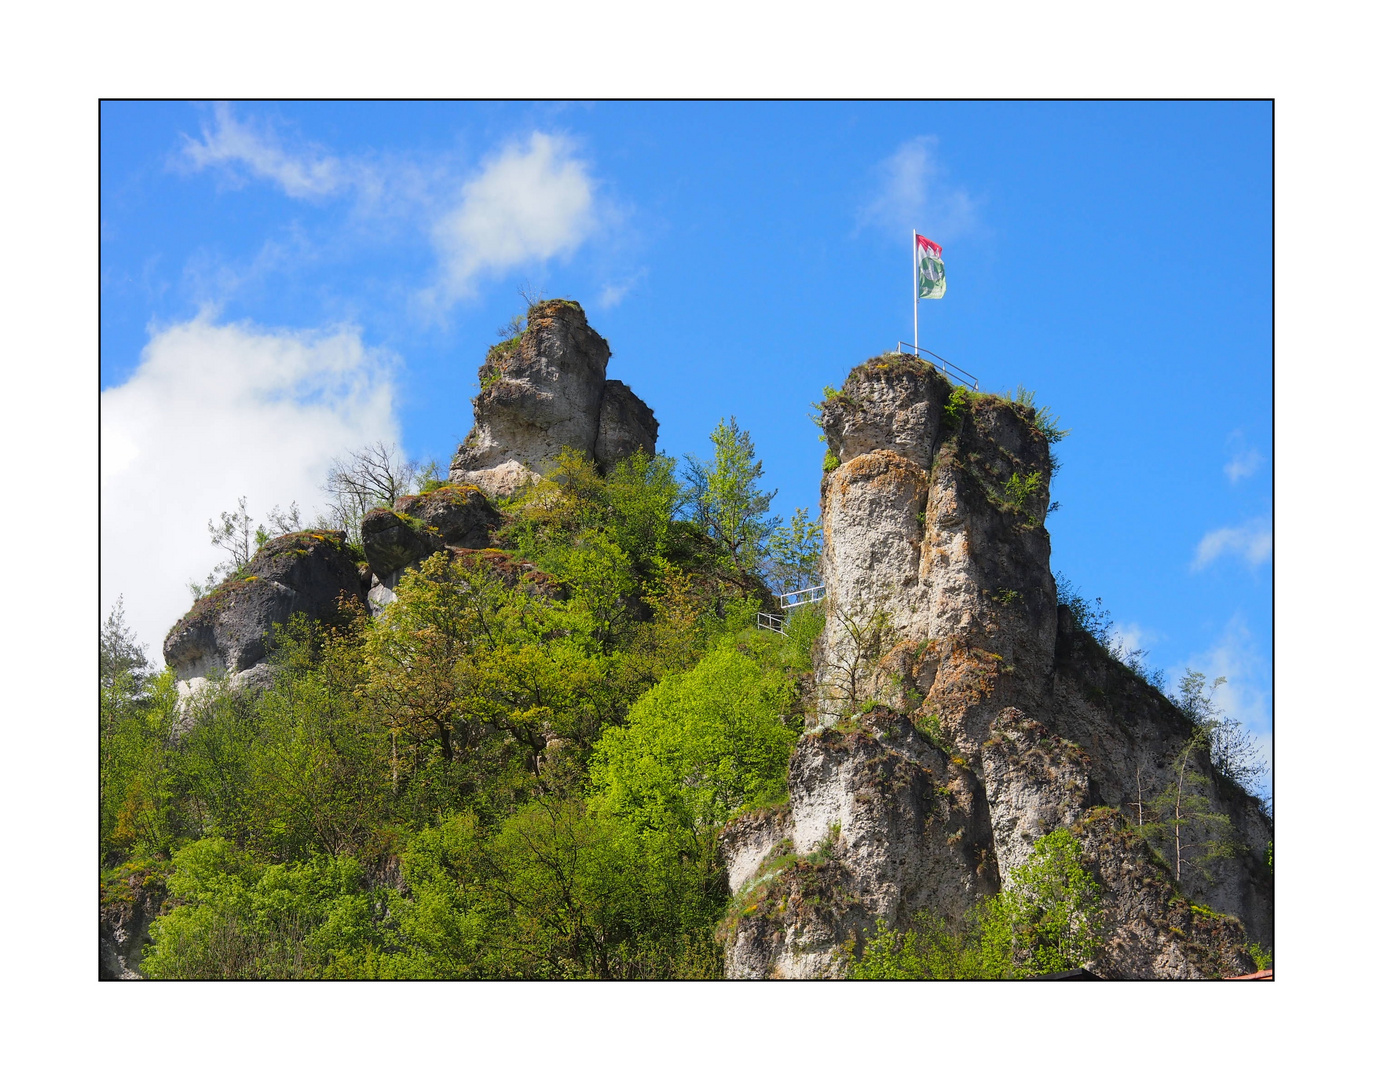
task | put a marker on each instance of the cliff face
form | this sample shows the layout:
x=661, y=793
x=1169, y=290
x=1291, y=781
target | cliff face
x=962, y=714
x=545, y=390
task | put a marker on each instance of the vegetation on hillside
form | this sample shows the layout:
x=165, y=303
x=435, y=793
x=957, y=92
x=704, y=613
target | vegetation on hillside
x=499, y=777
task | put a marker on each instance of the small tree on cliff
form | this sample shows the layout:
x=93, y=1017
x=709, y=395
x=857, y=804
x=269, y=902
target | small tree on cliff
x=726, y=499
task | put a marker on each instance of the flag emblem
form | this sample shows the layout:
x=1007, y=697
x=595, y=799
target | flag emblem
x=930, y=258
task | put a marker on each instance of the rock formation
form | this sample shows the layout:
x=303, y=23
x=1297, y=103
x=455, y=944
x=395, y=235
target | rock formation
x=545, y=390
x=962, y=714
x=542, y=391
x=453, y=517
x=229, y=630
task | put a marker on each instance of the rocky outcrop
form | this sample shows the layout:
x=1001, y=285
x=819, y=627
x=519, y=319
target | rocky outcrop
x=229, y=630
x=543, y=391
x=131, y=897
x=625, y=425
x=456, y=517
x=962, y=715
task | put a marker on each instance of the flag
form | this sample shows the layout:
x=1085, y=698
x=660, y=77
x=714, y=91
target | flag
x=930, y=262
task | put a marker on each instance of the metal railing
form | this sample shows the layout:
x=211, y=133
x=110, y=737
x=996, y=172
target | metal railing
x=787, y=601
x=953, y=371
x=803, y=596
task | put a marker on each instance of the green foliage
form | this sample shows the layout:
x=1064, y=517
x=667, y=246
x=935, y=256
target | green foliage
x=793, y=554
x=451, y=741
x=699, y=747
x=831, y=461
x=1049, y=425
x=121, y=653
x=1051, y=906
x=960, y=401
x=1231, y=748
x=1047, y=918
x=726, y=500
x=1263, y=958
x=933, y=729
x=239, y=919
x=1181, y=822
x=935, y=948
x=554, y=892
x=1020, y=489
x=1093, y=617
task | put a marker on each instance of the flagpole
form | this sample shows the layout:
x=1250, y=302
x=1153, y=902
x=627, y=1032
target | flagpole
x=915, y=259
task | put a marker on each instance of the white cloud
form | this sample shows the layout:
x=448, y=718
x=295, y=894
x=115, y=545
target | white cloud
x=1244, y=459
x=211, y=413
x=531, y=202
x=228, y=143
x=913, y=195
x=1253, y=541
x=1130, y=636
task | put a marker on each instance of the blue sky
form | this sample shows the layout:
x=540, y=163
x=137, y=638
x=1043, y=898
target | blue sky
x=282, y=281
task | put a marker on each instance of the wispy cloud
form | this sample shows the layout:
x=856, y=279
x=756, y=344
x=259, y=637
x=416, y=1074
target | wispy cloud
x=1244, y=459
x=914, y=192
x=238, y=146
x=1252, y=541
x=612, y=292
x=1131, y=636
x=211, y=413
x=531, y=202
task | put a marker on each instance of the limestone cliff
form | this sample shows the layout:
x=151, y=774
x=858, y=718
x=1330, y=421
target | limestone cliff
x=962, y=714
x=543, y=391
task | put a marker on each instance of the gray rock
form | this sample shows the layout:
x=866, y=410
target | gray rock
x=543, y=392
x=460, y=515
x=626, y=424
x=391, y=543
x=941, y=607
x=229, y=630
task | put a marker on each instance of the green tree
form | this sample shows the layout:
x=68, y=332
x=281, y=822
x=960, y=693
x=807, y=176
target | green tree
x=726, y=499
x=1231, y=748
x=1182, y=821
x=1050, y=908
x=793, y=554
x=240, y=919
x=699, y=747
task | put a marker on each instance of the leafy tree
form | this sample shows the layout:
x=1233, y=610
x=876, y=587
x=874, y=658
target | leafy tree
x=699, y=747
x=726, y=499
x=793, y=554
x=1232, y=749
x=1051, y=906
x=554, y=892
x=239, y=919
x=1181, y=819
x=121, y=653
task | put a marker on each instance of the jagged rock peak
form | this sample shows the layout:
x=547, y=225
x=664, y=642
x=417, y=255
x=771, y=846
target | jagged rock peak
x=545, y=390
x=961, y=714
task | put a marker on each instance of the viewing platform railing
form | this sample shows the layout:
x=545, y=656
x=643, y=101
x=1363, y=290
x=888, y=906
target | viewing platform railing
x=787, y=601
x=953, y=371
